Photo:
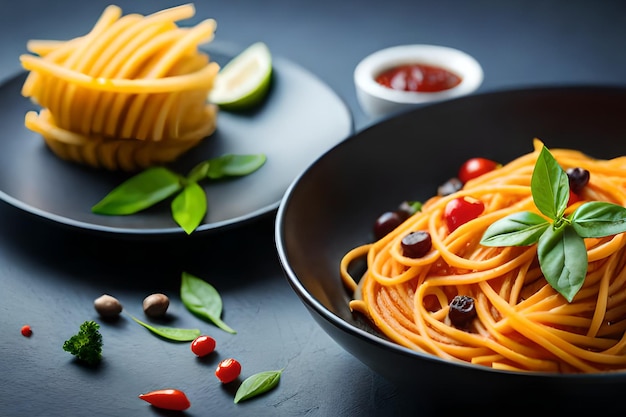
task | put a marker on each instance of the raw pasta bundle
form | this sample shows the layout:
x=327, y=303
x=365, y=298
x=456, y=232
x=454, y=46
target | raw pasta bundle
x=131, y=93
x=522, y=323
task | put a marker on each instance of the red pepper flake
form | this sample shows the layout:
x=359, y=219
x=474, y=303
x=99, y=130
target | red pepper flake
x=26, y=330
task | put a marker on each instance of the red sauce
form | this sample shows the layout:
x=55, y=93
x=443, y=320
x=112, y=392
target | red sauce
x=418, y=77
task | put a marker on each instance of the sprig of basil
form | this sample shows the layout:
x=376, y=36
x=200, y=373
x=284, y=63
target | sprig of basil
x=202, y=299
x=257, y=384
x=189, y=207
x=171, y=333
x=155, y=184
x=140, y=192
x=560, y=240
x=234, y=165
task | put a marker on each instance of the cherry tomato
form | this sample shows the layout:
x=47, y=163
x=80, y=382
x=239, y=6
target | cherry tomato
x=228, y=370
x=203, y=345
x=461, y=210
x=475, y=167
x=573, y=198
x=167, y=399
x=26, y=330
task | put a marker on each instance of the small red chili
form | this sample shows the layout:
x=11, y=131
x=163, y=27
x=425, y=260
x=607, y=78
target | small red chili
x=203, y=345
x=228, y=370
x=167, y=399
x=26, y=330
x=475, y=167
x=461, y=210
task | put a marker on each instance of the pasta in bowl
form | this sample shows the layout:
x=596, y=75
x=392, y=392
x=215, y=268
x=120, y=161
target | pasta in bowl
x=392, y=310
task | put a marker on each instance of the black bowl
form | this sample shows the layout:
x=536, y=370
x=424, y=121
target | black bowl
x=332, y=206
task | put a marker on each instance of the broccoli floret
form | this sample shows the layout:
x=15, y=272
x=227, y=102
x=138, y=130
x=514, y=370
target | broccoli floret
x=86, y=345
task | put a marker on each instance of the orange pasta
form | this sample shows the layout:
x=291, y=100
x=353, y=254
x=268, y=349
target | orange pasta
x=129, y=94
x=521, y=322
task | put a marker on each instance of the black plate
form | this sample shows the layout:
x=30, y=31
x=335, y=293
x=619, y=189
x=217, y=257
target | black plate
x=332, y=206
x=300, y=120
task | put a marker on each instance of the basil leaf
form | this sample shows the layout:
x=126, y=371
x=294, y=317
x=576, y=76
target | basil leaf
x=234, y=165
x=202, y=299
x=517, y=229
x=599, y=219
x=563, y=260
x=549, y=185
x=171, y=333
x=139, y=192
x=198, y=172
x=257, y=384
x=189, y=207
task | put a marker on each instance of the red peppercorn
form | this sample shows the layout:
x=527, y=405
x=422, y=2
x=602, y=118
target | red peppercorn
x=167, y=399
x=203, y=345
x=228, y=370
x=26, y=330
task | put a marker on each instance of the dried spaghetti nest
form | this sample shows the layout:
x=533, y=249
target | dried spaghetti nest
x=131, y=93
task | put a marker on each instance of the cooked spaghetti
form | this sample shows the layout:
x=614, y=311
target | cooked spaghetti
x=129, y=94
x=521, y=322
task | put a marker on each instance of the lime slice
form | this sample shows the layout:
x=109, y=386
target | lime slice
x=244, y=81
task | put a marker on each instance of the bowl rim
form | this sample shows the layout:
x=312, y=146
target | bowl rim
x=452, y=59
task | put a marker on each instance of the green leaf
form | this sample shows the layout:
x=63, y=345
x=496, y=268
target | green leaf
x=139, y=192
x=234, y=165
x=202, y=299
x=189, y=207
x=171, y=333
x=563, y=260
x=517, y=229
x=599, y=219
x=549, y=186
x=257, y=384
x=198, y=172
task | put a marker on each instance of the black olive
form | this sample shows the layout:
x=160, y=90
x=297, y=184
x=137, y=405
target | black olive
x=409, y=207
x=388, y=221
x=462, y=310
x=578, y=179
x=416, y=244
x=449, y=187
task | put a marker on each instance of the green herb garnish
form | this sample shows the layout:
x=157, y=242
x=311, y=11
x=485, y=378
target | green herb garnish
x=86, y=345
x=189, y=207
x=202, y=299
x=560, y=239
x=171, y=333
x=257, y=384
x=159, y=183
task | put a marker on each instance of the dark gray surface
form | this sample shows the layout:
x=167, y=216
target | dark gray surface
x=49, y=275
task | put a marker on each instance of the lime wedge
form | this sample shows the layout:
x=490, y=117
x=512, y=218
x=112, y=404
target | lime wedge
x=245, y=80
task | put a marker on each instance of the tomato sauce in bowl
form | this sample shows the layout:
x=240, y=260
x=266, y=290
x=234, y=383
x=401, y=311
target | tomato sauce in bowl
x=418, y=77
x=398, y=78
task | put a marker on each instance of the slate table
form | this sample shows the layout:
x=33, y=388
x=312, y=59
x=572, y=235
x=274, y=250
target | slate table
x=50, y=274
